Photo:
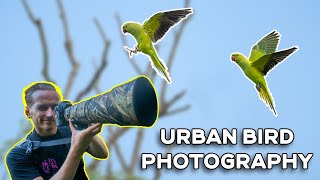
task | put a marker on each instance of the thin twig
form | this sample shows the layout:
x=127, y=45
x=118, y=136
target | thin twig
x=165, y=105
x=136, y=151
x=124, y=42
x=114, y=137
x=176, y=98
x=45, y=51
x=173, y=51
x=109, y=170
x=119, y=153
x=158, y=172
x=94, y=164
x=175, y=111
x=120, y=156
x=69, y=48
x=104, y=63
x=100, y=29
x=96, y=85
x=150, y=72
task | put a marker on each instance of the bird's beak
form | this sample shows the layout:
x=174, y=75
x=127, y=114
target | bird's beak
x=124, y=30
x=232, y=58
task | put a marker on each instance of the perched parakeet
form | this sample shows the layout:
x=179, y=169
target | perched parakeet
x=263, y=58
x=150, y=32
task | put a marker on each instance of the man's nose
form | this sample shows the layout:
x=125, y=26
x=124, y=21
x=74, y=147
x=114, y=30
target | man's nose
x=50, y=112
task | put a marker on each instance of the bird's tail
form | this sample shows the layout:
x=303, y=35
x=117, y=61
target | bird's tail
x=266, y=96
x=160, y=67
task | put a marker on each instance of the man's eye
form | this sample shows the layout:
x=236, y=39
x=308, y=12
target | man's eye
x=42, y=108
x=45, y=107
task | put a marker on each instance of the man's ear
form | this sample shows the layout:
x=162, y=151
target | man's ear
x=27, y=112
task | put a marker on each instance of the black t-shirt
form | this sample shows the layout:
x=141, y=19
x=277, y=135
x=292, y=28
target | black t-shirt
x=44, y=161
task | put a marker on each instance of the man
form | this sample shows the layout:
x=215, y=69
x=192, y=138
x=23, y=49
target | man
x=62, y=161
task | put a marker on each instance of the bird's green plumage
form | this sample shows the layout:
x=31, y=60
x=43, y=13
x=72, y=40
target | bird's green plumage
x=267, y=62
x=262, y=59
x=145, y=46
x=152, y=31
x=251, y=72
x=152, y=25
x=267, y=45
x=257, y=78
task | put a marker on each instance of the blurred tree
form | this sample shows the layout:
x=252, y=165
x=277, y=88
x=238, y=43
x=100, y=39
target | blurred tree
x=128, y=166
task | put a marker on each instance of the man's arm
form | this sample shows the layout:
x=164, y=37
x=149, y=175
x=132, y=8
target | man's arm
x=79, y=143
x=19, y=166
x=98, y=148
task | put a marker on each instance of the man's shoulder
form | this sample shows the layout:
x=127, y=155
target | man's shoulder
x=19, y=164
x=16, y=153
x=19, y=149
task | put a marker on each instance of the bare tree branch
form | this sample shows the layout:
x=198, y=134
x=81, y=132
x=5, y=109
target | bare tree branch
x=173, y=51
x=104, y=63
x=69, y=48
x=114, y=137
x=100, y=29
x=150, y=72
x=158, y=172
x=109, y=170
x=177, y=110
x=119, y=153
x=120, y=156
x=176, y=98
x=164, y=105
x=29, y=12
x=94, y=164
x=124, y=41
x=96, y=85
x=45, y=51
x=135, y=154
x=93, y=84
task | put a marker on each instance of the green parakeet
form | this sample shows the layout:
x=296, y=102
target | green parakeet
x=151, y=32
x=263, y=58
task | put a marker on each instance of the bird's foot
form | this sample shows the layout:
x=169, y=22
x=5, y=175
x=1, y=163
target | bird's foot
x=130, y=51
x=136, y=49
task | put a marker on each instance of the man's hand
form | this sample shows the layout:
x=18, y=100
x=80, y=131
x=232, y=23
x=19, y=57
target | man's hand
x=81, y=140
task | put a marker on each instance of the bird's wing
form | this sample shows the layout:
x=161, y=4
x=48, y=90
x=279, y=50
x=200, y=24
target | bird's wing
x=269, y=61
x=266, y=45
x=161, y=22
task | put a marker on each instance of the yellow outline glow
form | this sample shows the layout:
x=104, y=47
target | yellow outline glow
x=58, y=90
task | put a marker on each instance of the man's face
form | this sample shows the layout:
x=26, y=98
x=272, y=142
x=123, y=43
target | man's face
x=41, y=111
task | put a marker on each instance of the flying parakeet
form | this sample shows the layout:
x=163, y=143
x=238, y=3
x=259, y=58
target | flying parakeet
x=263, y=58
x=150, y=32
